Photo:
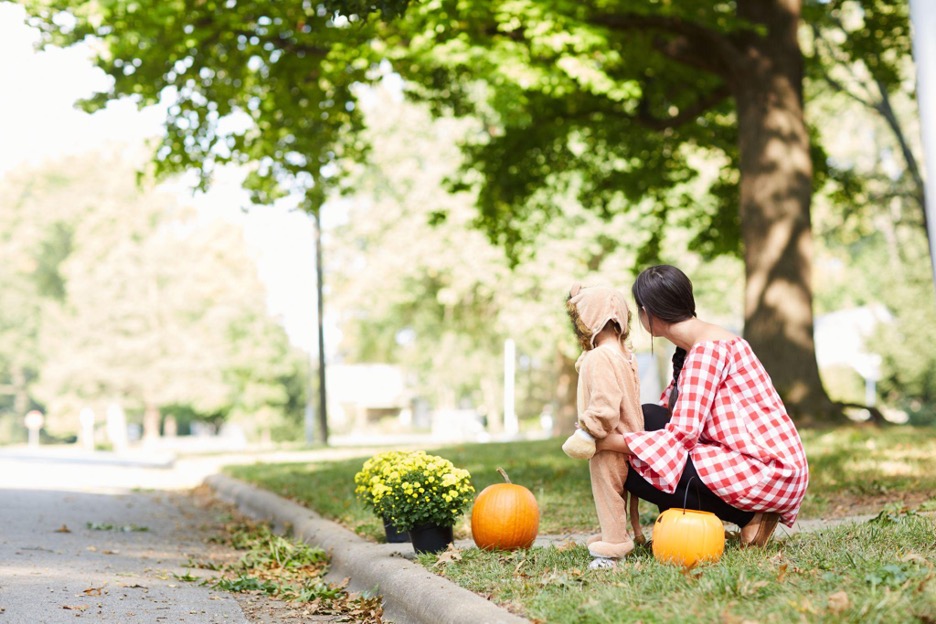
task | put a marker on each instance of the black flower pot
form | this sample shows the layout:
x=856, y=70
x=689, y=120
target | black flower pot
x=430, y=538
x=394, y=536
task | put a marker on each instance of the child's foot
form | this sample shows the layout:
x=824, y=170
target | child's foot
x=602, y=563
x=609, y=550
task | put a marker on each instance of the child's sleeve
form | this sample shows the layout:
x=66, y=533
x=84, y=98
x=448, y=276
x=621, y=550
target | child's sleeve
x=603, y=394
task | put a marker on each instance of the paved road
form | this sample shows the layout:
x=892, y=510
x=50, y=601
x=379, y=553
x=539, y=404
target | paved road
x=81, y=555
x=72, y=547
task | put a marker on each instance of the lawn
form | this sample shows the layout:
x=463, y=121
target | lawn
x=873, y=571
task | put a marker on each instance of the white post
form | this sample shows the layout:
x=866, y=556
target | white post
x=511, y=426
x=116, y=427
x=86, y=435
x=923, y=22
x=34, y=421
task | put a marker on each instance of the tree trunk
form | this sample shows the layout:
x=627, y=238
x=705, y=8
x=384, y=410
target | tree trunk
x=566, y=412
x=491, y=395
x=775, y=191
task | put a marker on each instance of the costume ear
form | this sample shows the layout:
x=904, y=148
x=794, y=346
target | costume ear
x=576, y=289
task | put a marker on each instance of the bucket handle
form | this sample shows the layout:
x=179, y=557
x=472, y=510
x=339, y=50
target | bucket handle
x=686, y=495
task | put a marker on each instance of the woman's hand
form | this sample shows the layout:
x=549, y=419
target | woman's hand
x=615, y=442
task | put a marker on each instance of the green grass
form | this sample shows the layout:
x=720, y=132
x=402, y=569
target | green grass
x=873, y=572
x=858, y=469
x=852, y=470
x=561, y=485
x=880, y=571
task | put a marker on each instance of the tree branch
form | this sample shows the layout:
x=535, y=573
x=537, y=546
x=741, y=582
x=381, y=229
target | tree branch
x=694, y=45
x=880, y=104
x=883, y=106
x=704, y=103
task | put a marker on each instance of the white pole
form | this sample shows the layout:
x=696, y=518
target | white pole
x=511, y=426
x=923, y=22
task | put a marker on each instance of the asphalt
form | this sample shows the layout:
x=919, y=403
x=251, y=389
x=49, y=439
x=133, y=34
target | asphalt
x=100, y=554
x=46, y=488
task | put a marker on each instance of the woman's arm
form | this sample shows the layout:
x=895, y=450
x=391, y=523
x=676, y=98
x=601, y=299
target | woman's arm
x=663, y=453
x=614, y=441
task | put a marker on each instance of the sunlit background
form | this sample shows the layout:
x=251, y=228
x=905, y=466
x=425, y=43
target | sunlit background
x=148, y=316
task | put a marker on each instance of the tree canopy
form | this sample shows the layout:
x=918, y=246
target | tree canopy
x=120, y=294
x=608, y=101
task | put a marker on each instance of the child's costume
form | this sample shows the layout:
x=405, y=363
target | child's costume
x=608, y=400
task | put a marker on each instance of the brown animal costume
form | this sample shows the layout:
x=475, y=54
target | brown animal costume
x=608, y=400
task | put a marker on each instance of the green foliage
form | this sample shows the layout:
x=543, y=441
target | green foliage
x=371, y=480
x=267, y=86
x=439, y=300
x=410, y=489
x=619, y=109
x=117, y=293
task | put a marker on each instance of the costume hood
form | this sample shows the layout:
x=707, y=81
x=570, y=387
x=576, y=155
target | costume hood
x=591, y=307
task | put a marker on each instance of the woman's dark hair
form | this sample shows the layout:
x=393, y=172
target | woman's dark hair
x=665, y=292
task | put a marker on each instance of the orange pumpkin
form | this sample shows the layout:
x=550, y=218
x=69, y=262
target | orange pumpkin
x=687, y=537
x=505, y=516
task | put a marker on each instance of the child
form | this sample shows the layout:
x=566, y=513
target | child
x=608, y=400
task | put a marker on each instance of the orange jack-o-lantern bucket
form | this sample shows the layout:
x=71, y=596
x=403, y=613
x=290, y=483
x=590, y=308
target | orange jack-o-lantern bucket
x=687, y=537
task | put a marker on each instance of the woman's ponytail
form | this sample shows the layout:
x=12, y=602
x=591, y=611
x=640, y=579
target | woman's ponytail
x=679, y=357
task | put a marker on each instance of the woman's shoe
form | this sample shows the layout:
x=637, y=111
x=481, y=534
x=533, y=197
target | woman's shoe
x=758, y=531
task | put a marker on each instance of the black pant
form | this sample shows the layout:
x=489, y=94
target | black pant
x=694, y=495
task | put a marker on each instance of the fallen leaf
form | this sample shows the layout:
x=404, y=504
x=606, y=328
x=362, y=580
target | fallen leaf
x=691, y=573
x=781, y=573
x=566, y=545
x=94, y=591
x=91, y=548
x=915, y=557
x=838, y=602
x=805, y=606
x=447, y=557
x=63, y=529
x=75, y=607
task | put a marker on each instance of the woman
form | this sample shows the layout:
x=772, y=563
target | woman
x=722, y=440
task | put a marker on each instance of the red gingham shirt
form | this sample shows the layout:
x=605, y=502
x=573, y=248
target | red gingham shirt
x=730, y=420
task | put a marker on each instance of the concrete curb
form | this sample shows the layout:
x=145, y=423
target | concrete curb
x=412, y=595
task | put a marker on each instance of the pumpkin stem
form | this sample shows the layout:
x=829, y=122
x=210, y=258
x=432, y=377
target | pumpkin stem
x=503, y=474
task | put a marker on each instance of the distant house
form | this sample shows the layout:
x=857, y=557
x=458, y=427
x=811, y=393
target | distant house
x=842, y=339
x=364, y=396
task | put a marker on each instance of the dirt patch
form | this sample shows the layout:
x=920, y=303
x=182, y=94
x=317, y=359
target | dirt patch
x=847, y=505
x=261, y=609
